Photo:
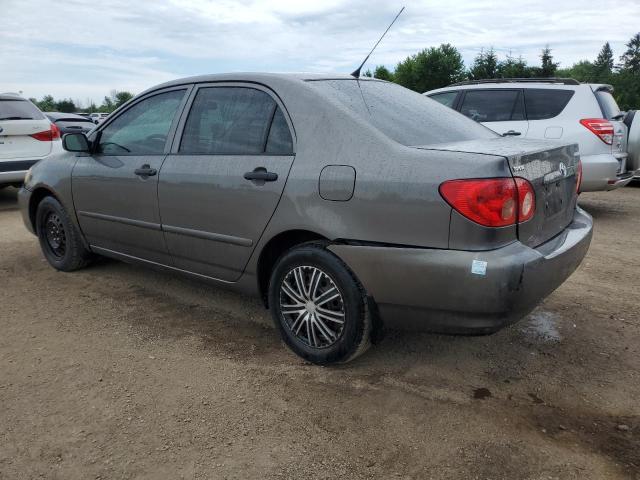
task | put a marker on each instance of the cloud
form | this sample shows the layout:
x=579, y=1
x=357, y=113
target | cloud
x=84, y=49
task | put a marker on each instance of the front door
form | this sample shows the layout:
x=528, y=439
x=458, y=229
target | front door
x=115, y=189
x=502, y=110
x=223, y=180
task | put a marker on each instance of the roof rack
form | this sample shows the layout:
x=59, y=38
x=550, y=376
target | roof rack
x=564, y=81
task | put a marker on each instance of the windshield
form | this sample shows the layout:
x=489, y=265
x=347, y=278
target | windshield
x=401, y=114
x=608, y=104
x=19, y=109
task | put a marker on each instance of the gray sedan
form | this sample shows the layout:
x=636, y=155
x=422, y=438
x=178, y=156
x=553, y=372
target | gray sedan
x=342, y=203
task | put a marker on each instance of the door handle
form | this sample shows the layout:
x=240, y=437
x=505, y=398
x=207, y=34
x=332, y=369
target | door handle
x=145, y=171
x=511, y=133
x=260, y=175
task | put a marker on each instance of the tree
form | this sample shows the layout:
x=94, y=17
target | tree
x=513, y=68
x=47, y=104
x=66, y=106
x=430, y=68
x=120, y=98
x=604, y=63
x=485, y=65
x=631, y=58
x=583, y=71
x=367, y=74
x=548, y=68
x=383, y=73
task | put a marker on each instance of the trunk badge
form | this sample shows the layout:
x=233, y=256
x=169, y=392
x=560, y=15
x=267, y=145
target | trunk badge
x=563, y=169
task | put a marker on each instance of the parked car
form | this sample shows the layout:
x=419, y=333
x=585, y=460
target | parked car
x=70, y=122
x=554, y=109
x=26, y=136
x=341, y=203
x=633, y=146
x=98, y=117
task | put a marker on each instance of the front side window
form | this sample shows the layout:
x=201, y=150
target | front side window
x=143, y=128
x=492, y=105
x=445, y=98
x=234, y=121
x=547, y=103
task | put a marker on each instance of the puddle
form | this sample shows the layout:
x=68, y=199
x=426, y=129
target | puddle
x=541, y=325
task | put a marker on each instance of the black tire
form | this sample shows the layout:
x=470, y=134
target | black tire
x=341, y=342
x=60, y=241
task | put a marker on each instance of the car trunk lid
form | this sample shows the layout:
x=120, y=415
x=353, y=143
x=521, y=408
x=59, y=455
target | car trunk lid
x=19, y=119
x=550, y=168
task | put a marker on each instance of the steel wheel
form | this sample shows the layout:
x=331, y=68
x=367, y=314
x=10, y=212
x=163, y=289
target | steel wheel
x=312, y=306
x=55, y=235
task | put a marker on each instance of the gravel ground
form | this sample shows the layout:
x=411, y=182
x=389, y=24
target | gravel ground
x=117, y=372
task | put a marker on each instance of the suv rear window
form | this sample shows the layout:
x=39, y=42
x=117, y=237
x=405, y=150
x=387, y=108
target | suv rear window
x=445, y=98
x=492, y=105
x=406, y=117
x=19, y=109
x=542, y=104
x=607, y=104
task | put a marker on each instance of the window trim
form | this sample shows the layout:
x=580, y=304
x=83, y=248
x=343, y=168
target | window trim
x=519, y=99
x=94, y=139
x=177, y=137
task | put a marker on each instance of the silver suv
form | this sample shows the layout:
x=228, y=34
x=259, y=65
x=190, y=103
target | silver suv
x=554, y=109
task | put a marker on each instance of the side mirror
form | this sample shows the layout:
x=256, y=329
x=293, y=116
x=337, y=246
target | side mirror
x=75, y=142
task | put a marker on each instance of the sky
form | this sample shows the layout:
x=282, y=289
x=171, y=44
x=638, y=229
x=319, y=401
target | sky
x=85, y=49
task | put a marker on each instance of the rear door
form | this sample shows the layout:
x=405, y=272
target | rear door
x=223, y=180
x=115, y=189
x=19, y=120
x=501, y=110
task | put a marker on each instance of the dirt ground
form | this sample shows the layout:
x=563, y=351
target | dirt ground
x=118, y=372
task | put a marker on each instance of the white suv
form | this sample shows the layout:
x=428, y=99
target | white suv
x=555, y=109
x=26, y=136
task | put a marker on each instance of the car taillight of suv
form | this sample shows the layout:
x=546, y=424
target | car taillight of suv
x=602, y=128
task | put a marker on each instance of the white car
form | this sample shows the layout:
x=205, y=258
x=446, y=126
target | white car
x=98, y=117
x=26, y=136
x=554, y=109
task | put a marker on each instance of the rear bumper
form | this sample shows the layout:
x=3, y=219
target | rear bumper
x=14, y=171
x=602, y=172
x=455, y=291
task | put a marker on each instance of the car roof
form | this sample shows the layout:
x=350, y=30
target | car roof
x=11, y=96
x=257, y=77
x=542, y=84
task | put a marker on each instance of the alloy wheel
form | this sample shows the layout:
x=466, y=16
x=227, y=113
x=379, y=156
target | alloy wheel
x=312, y=306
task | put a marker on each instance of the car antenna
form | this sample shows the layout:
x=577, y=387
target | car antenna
x=356, y=73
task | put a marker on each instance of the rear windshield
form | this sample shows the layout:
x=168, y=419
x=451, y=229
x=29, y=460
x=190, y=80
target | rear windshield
x=405, y=116
x=542, y=104
x=607, y=104
x=19, y=109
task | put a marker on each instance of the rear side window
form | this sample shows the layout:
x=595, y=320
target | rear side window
x=542, y=104
x=232, y=121
x=19, y=109
x=445, y=98
x=608, y=104
x=279, y=141
x=492, y=105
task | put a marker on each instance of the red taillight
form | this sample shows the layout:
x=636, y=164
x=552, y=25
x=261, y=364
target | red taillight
x=579, y=176
x=47, y=135
x=492, y=202
x=600, y=127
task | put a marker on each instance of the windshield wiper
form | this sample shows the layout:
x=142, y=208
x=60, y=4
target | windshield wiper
x=16, y=118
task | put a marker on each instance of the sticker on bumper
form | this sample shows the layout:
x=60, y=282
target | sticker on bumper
x=478, y=267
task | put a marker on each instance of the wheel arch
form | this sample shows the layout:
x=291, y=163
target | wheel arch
x=274, y=249
x=36, y=197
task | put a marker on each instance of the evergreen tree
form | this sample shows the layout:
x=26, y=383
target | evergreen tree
x=485, y=65
x=549, y=67
x=631, y=58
